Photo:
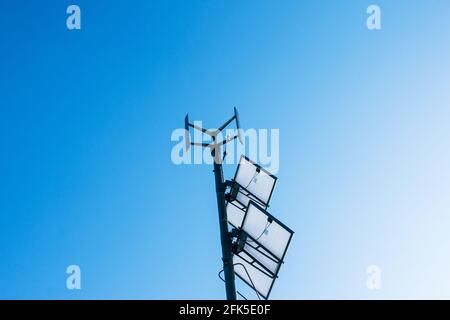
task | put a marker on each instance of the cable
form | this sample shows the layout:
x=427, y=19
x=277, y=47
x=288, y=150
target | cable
x=219, y=274
x=248, y=275
x=251, y=180
x=262, y=233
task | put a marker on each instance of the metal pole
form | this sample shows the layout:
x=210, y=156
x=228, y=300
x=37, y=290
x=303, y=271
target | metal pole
x=225, y=237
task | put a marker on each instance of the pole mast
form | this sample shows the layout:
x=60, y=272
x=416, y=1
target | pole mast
x=225, y=236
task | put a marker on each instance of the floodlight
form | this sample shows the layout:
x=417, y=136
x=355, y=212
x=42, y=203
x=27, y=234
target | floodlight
x=249, y=272
x=266, y=231
x=258, y=181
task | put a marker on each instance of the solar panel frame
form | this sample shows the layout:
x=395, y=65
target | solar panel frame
x=240, y=205
x=252, y=203
x=267, y=254
x=261, y=169
x=273, y=278
x=264, y=269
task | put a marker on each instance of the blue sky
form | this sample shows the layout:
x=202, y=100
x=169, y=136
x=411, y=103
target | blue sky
x=85, y=126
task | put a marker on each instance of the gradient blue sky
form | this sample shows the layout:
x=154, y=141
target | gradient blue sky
x=86, y=118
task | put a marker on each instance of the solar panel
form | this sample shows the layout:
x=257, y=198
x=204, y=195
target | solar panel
x=238, y=201
x=251, y=183
x=249, y=272
x=264, y=258
x=255, y=179
x=266, y=231
x=265, y=242
x=235, y=214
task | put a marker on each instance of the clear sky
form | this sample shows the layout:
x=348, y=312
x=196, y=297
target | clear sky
x=86, y=118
